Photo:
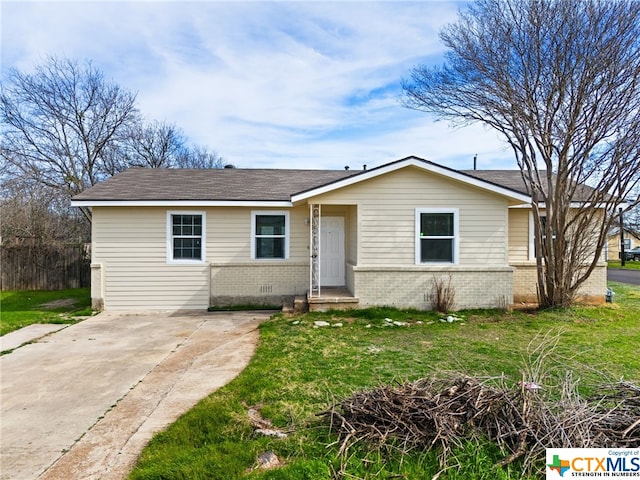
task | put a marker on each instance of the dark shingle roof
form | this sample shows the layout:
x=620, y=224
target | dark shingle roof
x=511, y=179
x=257, y=185
x=228, y=184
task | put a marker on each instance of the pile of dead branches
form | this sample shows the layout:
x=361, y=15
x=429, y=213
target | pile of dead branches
x=522, y=419
x=617, y=416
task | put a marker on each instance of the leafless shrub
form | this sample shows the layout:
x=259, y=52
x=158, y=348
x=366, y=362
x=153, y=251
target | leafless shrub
x=443, y=295
x=502, y=303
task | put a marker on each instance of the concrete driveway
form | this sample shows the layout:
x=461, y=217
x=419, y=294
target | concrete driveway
x=82, y=402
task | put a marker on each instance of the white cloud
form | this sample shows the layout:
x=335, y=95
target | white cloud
x=266, y=84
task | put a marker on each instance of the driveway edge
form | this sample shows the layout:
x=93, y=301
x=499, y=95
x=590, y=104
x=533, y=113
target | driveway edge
x=110, y=449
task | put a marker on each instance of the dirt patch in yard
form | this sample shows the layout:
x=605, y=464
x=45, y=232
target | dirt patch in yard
x=62, y=302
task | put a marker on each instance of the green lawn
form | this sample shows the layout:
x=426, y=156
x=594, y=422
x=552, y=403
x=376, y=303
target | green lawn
x=299, y=371
x=628, y=265
x=24, y=307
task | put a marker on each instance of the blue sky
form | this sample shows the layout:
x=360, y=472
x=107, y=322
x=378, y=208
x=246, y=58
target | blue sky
x=265, y=84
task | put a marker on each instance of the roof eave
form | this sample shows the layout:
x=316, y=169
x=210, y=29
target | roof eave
x=415, y=162
x=182, y=203
x=571, y=205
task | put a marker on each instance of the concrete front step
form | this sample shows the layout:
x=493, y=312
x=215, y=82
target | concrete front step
x=332, y=299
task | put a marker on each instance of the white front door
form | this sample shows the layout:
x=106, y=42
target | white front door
x=332, y=251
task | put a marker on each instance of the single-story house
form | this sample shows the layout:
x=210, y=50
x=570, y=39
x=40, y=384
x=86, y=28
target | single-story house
x=612, y=248
x=173, y=239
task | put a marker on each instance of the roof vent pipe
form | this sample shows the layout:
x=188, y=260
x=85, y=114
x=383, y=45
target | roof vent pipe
x=475, y=161
x=364, y=167
x=346, y=167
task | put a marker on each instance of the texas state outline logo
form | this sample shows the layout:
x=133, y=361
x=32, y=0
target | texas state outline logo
x=560, y=466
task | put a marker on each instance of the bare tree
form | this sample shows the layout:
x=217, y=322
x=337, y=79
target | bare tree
x=632, y=221
x=58, y=122
x=200, y=157
x=560, y=80
x=159, y=145
x=34, y=214
x=64, y=128
x=155, y=145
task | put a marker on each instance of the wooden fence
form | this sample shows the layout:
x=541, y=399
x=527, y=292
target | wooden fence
x=44, y=267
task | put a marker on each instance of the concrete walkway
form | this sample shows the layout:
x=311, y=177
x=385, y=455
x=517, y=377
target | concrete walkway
x=28, y=334
x=82, y=402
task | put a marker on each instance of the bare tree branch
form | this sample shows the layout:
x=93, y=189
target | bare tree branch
x=58, y=122
x=200, y=157
x=63, y=129
x=561, y=82
x=155, y=145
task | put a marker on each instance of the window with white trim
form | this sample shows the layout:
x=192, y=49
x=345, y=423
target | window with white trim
x=269, y=235
x=533, y=252
x=185, y=236
x=436, y=235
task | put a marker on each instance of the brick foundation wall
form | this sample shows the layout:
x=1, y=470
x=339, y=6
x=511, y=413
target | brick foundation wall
x=257, y=283
x=411, y=287
x=525, y=280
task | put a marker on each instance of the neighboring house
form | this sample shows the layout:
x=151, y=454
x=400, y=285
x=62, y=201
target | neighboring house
x=612, y=248
x=172, y=239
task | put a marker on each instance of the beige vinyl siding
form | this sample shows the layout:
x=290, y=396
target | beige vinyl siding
x=235, y=276
x=612, y=249
x=228, y=234
x=589, y=237
x=519, y=235
x=352, y=235
x=130, y=245
x=299, y=235
x=386, y=217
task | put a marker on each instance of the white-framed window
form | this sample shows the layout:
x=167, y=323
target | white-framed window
x=186, y=236
x=533, y=254
x=437, y=235
x=269, y=235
